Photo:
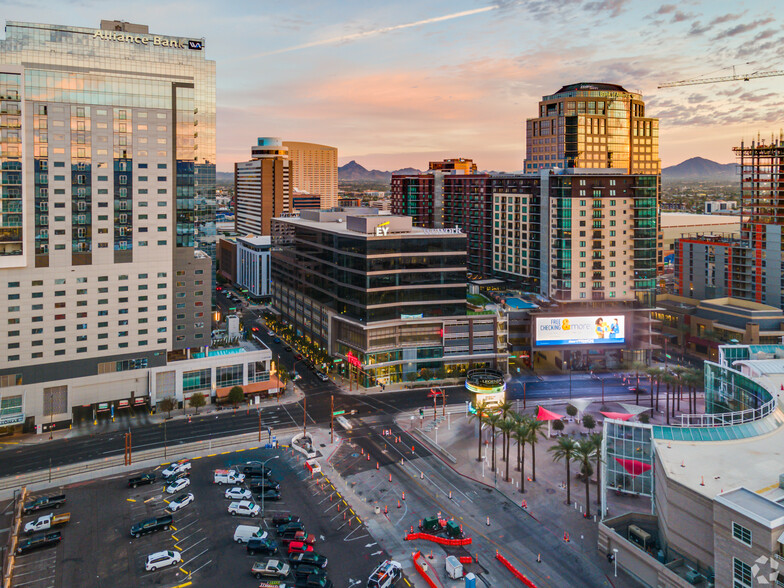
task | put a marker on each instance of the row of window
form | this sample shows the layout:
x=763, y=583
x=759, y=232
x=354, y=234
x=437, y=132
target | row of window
x=103, y=347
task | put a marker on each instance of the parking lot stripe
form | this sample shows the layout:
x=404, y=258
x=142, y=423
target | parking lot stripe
x=178, y=548
x=184, y=571
x=35, y=581
x=175, y=538
x=131, y=499
x=173, y=527
x=200, y=567
x=149, y=499
x=195, y=544
x=198, y=555
x=407, y=582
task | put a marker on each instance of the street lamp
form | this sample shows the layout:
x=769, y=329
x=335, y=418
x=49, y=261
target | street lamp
x=264, y=477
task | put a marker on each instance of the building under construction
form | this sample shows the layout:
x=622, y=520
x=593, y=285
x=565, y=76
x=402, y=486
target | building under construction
x=750, y=267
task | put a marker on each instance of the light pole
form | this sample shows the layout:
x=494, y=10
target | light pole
x=164, y=439
x=615, y=560
x=263, y=486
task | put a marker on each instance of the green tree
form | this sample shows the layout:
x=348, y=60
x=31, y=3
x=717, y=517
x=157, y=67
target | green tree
x=571, y=410
x=506, y=426
x=426, y=373
x=441, y=373
x=236, y=395
x=537, y=432
x=693, y=379
x=197, y=400
x=565, y=449
x=584, y=455
x=558, y=425
x=167, y=405
x=596, y=440
x=522, y=434
x=644, y=418
x=481, y=419
x=412, y=376
x=589, y=422
x=493, y=419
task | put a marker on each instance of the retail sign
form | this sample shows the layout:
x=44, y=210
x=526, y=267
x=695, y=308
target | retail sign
x=353, y=360
x=12, y=419
x=154, y=40
x=449, y=231
x=382, y=229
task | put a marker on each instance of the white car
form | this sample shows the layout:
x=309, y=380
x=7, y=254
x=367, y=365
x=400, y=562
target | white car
x=180, y=502
x=176, y=468
x=178, y=485
x=162, y=559
x=244, y=507
x=238, y=493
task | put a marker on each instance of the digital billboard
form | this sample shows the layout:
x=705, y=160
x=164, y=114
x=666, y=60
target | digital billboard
x=599, y=329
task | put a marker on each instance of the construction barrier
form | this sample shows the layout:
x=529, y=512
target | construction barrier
x=421, y=571
x=466, y=559
x=517, y=574
x=439, y=540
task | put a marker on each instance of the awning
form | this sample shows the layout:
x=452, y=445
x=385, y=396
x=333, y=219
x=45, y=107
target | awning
x=634, y=467
x=547, y=415
x=634, y=409
x=581, y=403
x=621, y=416
x=254, y=388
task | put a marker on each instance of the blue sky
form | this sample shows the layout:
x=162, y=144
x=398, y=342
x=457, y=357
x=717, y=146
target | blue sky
x=396, y=84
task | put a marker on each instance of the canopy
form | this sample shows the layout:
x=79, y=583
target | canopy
x=547, y=415
x=621, y=416
x=581, y=403
x=634, y=408
x=634, y=467
x=271, y=386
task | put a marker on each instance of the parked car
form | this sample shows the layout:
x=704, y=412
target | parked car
x=43, y=503
x=277, y=339
x=152, y=525
x=255, y=468
x=313, y=581
x=238, y=493
x=309, y=558
x=228, y=477
x=290, y=528
x=305, y=570
x=243, y=533
x=279, y=520
x=176, y=468
x=141, y=479
x=38, y=541
x=272, y=568
x=245, y=508
x=46, y=522
x=178, y=485
x=269, y=495
x=299, y=536
x=262, y=484
x=180, y=502
x=299, y=547
x=322, y=376
x=162, y=559
x=261, y=545
x=385, y=575
x=287, y=348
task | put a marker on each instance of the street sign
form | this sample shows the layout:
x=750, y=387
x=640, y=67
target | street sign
x=337, y=412
x=336, y=360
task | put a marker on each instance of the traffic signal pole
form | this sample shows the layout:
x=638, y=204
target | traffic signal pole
x=331, y=418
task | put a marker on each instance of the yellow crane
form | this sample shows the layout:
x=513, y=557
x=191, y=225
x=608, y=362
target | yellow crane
x=733, y=78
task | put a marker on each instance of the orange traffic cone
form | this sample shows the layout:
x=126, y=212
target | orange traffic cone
x=404, y=496
x=398, y=504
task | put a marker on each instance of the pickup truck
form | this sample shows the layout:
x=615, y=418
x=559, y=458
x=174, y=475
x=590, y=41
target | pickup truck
x=271, y=568
x=38, y=541
x=228, y=477
x=152, y=525
x=44, y=503
x=299, y=536
x=141, y=479
x=244, y=507
x=46, y=522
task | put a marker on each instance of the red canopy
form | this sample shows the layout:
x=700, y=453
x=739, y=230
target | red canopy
x=547, y=415
x=634, y=467
x=622, y=416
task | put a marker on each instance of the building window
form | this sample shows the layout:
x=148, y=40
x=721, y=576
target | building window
x=196, y=380
x=741, y=574
x=741, y=533
x=228, y=376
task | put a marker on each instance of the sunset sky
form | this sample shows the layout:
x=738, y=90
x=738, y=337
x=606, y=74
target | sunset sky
x=396, y=84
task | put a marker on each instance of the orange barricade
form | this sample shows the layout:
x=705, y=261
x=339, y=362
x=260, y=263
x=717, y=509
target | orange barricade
x=422, y=573
x=466, y=559
x=517, y=574
x=440, y=540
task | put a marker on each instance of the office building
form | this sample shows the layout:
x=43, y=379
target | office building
x=749, y=266
x=374, y=289
x=253, y=265
x=262, y=187
x=593, y=125
x=677, y=225
x=713, y=479
x=315, y=170
x=101, y=169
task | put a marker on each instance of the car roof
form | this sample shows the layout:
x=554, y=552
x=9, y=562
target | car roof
x=159, y=554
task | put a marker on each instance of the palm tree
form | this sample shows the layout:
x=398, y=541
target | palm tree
x=506, y=427
x=668, y=379
x=596, y=440
x=505, y=408
x=565, y=449
x=518, y=419
x=522, y=433
x=653, y=374
x=481, y=419
x=493, y=419
x=693, y=379
x=677, y=386
x=585, y=454
x=537, y=430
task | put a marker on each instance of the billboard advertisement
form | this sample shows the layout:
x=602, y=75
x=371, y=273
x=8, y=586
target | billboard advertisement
x=599, y=329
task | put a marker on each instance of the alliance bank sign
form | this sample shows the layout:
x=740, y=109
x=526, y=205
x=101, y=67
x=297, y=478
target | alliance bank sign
x=156, y=41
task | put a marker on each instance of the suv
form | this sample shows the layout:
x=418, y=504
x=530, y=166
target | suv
x=255, y=468
x=308, y=558
x=289, y=529
x=151, y=525
x=385, y=575
x=261, y=545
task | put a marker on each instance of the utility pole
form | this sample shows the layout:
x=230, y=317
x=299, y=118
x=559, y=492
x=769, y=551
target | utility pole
x=331, y=418
x=435, y=399
x=259, y=413
x=443, y=404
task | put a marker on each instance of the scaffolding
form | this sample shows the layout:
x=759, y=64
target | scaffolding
x=762, y=187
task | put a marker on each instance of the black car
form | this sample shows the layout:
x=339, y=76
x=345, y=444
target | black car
x=255, y=468
x=263, y=546
x=290, y=528
x=279, y=520
x=269, y=495
x=152, y=525
x=305, y=570
x=141, y=479
x=313, y=581
x=287, y=348
x=310, y=558
x=262, y=484
x=38, y=541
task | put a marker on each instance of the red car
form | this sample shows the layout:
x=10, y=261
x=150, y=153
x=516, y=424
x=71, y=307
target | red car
x=299, y=547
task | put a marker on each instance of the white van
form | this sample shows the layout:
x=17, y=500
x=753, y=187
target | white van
x=245, y=532
x=228, y=477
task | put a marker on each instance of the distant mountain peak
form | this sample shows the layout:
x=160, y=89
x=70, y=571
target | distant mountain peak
x=699, y=168
x=354, y=171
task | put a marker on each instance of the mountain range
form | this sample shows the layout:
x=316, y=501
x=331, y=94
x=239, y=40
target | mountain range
x=353, y=171
x=699, y=168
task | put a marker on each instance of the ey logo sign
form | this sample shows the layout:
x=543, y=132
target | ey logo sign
x=382, y=229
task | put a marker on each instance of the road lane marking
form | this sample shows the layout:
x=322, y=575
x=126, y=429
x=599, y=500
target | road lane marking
x=131, y=499
x=200, y=567
x=184, y=571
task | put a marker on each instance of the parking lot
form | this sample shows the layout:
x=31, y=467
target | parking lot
x=98, y=550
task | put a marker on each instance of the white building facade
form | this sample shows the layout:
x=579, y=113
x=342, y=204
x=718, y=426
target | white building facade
x=253, y=265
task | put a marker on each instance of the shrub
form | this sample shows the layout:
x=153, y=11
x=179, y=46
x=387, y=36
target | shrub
x=645, y=418
x=558, y=425
x=589, y=422
x=236, y=395
x=570, y=410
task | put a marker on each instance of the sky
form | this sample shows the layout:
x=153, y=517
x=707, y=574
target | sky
x=397, y=84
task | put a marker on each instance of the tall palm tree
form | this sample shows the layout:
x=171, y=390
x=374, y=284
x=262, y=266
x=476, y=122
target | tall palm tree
x=518, y=420
x=481, y=419
x=521, y=434
x=537, y=431
x=669, y=380
x=493, y=419
x=584, y=454
x=565, y=449
x=653, y=374
x=693, y=379
x=506, y=409
x=506, y=426
x=596, y=440
x=677, y=386
x=638, y=368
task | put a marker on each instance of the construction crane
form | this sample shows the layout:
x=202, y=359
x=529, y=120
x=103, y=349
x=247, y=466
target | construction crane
x=733, y=78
